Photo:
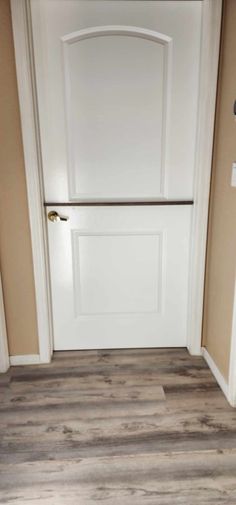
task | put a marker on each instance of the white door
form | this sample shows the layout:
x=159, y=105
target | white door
x=117, y=86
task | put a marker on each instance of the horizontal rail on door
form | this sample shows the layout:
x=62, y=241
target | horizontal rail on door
x=117, y=204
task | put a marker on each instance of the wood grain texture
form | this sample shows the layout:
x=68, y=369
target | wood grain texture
x=127, y=426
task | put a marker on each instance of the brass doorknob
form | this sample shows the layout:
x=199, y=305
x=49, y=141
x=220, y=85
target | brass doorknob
x=54, y=216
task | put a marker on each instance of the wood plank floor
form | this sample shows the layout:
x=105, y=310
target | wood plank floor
x=116, y=427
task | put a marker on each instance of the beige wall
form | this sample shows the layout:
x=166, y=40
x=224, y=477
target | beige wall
x=221, y=257
x=15, y=246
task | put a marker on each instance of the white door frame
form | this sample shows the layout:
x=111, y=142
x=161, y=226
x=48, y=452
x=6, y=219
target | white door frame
x=31, y=141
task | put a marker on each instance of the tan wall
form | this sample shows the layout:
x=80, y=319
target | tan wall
x=15, y=246
x=221, y=257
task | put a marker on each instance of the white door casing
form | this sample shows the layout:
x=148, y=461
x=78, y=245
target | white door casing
x=211, y=31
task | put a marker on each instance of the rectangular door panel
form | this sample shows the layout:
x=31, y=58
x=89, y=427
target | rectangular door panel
x=119, y=277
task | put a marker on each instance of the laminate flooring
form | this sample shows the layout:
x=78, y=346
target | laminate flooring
x=143, y=427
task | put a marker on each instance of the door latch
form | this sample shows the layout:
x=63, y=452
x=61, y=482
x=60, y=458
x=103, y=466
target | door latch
x=54, y=217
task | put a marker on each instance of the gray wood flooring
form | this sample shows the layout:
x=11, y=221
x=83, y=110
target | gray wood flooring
x=116, y=427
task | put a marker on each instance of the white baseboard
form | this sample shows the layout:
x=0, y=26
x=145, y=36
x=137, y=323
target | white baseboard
x=25, y=359
x=217, y=374
x=4, y=355
x=232, y=363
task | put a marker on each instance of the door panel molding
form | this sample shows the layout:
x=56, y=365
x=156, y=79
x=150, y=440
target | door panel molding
x=101, y=31
x=78, y=235
x=73, y=39
x=31, y=142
